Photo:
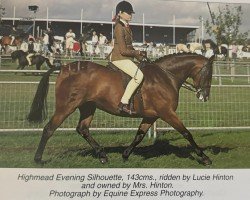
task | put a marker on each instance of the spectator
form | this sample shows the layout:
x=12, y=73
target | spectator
x=94, y=42
x=209, y=52
x=82, y=45
x=150, y=49
x=102, y=42
x=50, y=33
x=45, y=43
x=234, y=51
x=31, y=38
x=70, y=35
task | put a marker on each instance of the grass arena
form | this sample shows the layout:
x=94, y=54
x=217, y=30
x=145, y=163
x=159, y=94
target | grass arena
x=220, y=126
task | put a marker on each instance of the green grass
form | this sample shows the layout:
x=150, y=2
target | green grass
x=169, y=150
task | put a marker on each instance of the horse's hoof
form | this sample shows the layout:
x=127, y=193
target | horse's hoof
x=37, y=160
x=125, y=157
x=41, y=162
x=103, y=158
x=206, y=161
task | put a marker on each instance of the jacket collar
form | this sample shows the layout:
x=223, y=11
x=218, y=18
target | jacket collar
x=123, y=23
x=126, y=27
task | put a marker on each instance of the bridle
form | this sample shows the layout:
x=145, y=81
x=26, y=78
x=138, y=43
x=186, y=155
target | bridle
x=187, y=85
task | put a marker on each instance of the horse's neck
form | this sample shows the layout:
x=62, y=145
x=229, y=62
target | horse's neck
x=22, y=54
x=178, y=72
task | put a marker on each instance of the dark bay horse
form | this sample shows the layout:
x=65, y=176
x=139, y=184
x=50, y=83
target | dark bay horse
x=37, y=60
x=86, y=86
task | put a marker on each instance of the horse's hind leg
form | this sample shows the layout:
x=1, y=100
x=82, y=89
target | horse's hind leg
x=87, y=111
x=48, y=131
x=143, y=128
x=173, y=120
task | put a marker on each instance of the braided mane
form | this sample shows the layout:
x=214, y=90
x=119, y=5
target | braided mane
x=175, y=55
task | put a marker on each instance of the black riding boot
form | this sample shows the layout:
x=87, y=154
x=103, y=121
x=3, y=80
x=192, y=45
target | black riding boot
x=126, y=109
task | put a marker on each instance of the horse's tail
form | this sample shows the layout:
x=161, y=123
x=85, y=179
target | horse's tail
x=38, y=110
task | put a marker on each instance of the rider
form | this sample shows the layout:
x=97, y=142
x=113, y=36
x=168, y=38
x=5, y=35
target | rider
x=31, y=51
x=123, y=53
x=13, y=34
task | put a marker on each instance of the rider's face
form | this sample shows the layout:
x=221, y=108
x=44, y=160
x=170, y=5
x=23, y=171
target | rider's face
x=125, y=16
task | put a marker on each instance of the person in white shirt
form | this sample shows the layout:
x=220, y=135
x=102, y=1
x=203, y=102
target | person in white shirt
x=94, y=42
x=102, y=42
x=209, y=52
x=70, y=35
x=45, y=43
x=234, y=51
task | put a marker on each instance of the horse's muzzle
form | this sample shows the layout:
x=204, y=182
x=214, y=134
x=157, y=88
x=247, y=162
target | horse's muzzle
x=202, y=97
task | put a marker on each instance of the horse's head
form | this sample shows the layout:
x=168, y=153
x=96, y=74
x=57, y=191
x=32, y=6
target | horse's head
x=14, y=55
x=181, y=66
x=202, y=79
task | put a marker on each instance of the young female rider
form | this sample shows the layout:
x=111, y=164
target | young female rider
x=31, y=51
x=123, y=53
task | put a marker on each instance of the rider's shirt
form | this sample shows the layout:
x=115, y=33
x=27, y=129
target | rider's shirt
x=31, y=48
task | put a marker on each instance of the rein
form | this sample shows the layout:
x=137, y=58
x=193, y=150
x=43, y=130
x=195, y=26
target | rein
x=187, y=85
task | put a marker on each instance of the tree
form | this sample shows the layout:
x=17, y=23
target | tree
x=224, y=25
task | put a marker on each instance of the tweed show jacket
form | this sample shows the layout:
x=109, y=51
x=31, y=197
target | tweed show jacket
x=123, y=48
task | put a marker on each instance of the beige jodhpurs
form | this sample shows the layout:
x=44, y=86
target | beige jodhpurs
x=130, y=68
x=28, y=58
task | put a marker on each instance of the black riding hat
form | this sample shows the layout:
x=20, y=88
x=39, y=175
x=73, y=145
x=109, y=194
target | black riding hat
x=124, y=6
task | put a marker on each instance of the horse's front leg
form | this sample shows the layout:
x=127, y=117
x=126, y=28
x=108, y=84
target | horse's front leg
x=38, y=66
x=143, y=128
x=172, y=119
